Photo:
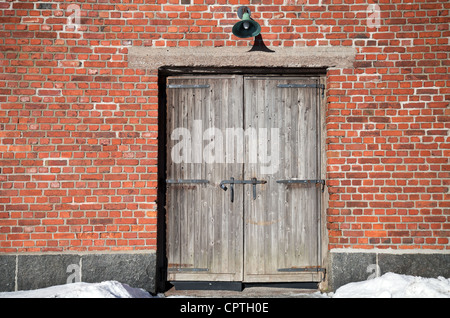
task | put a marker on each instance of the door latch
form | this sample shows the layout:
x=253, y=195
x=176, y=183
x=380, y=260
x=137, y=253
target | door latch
x=232, y=182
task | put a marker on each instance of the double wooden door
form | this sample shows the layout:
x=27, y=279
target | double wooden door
x=243, y=178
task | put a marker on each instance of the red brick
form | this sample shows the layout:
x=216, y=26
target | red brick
x=375, y=233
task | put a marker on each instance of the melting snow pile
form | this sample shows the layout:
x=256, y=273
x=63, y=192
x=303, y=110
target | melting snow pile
x=108, y=289
x=392, y=285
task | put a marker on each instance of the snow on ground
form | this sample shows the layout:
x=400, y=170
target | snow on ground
x=392, y=285
x=107, y=289
x=389, y=285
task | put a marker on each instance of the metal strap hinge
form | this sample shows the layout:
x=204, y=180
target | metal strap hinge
x=187, y=269
x=302, y=269
x=188, y=86
x=322, y=86
x=293, y=181
x=183, y=181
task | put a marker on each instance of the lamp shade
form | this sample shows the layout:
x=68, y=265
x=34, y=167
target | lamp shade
x=246, y=27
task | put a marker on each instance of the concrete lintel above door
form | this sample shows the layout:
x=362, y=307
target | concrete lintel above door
x=153, y=58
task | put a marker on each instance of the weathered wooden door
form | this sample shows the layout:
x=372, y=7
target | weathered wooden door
x=242, y=173
x=282, y=224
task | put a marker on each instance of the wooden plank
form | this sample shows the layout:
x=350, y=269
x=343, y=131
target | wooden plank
x=323, y=198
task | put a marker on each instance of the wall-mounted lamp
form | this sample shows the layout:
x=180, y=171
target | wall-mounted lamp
x=246, y=27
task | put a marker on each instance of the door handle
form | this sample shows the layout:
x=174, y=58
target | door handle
x=232, y=181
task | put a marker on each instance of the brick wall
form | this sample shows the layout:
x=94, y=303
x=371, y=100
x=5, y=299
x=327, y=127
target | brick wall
x=78, y=127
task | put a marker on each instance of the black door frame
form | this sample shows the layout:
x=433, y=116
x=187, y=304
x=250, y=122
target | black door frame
x=161, y=283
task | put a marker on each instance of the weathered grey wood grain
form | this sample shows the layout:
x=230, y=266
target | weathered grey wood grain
x=281, y=225
x=204, y=231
